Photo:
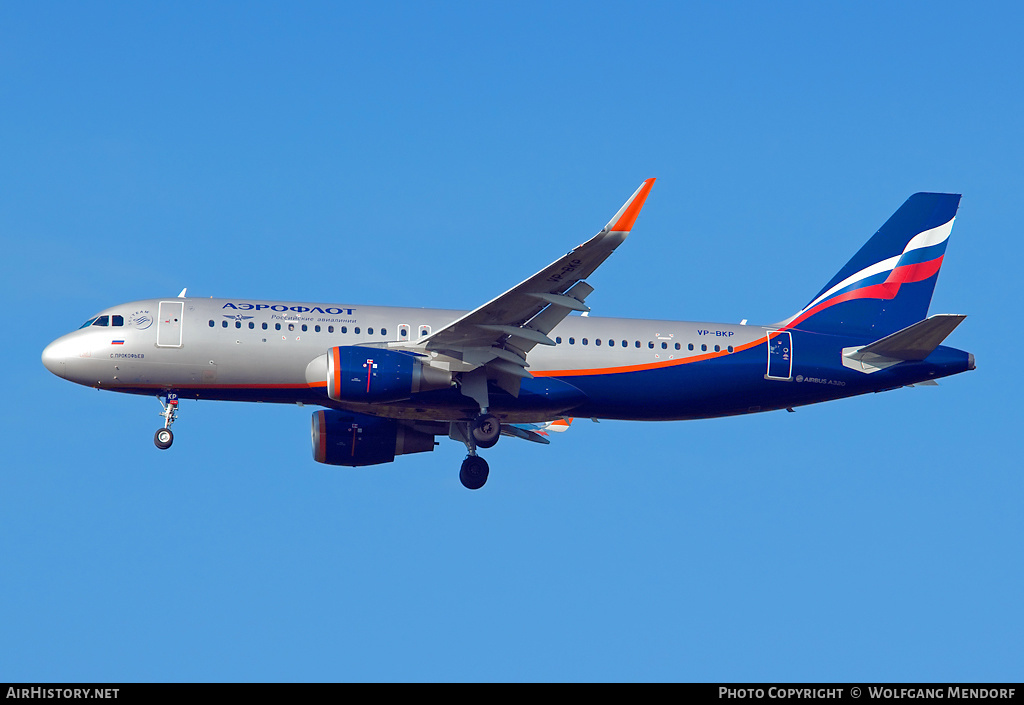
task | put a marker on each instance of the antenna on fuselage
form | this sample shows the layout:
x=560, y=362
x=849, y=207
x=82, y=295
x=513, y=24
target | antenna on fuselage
x=182, y=294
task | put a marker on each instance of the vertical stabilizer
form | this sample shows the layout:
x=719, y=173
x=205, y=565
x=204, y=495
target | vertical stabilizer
x=888, y=284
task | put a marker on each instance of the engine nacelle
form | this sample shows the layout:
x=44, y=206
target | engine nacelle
x=356, y=373
x=345, y=438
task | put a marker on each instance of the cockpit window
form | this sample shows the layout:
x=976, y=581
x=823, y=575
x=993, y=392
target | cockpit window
x=102, y=321
x=116, y=320
x=86, y=324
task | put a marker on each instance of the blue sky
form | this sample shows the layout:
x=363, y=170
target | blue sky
x=435, y=154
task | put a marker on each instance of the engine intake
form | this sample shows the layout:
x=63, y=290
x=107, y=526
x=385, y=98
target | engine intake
x=354, y=440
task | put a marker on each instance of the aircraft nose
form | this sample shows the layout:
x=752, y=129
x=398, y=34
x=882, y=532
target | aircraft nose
x=53, y=360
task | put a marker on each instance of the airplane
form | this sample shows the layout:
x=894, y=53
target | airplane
x=390, y=380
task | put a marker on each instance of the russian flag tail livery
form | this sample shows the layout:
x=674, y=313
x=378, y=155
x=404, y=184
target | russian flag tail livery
x=888, y=284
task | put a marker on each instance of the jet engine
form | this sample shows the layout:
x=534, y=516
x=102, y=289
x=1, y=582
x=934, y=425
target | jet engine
x=363, y=374
x=354, y=440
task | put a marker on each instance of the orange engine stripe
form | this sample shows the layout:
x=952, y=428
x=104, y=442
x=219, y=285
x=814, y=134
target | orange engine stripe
x=336, y=357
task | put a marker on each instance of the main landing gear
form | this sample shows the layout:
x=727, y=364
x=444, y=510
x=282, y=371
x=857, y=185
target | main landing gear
x=482, y=432
x=163, y=438
x=486, y=430
x=474, y=472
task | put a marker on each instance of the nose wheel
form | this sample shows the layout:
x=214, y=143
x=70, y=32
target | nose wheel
x=163, y=438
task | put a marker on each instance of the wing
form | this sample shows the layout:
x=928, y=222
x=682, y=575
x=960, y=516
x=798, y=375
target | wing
x=501, y=333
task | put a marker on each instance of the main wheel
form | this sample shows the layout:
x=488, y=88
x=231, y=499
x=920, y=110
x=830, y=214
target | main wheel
x=163, y=438
x=474, y=472
x=486, y=430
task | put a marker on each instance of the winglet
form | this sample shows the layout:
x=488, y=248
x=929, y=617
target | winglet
x=624, y=219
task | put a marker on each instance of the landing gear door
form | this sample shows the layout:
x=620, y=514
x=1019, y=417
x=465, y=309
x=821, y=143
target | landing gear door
x=168, y=324
x=780, y=355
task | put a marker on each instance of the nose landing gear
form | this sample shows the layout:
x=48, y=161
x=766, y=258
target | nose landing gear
x=163, y=438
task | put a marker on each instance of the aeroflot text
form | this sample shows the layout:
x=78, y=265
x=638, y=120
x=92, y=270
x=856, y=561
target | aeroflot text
x=775, y=692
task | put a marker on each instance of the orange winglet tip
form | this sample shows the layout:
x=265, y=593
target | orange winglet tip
x=627, y=216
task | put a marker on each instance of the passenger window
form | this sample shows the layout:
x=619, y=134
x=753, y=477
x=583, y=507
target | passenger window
x=558, y=340
x=251, y=325
x=330, y=329
x=718, y=348
x=277, y=326
x=678, y=346
x=291, y=326
x=223, y=324
x=637, y=343
x=264, y=326
x=211, y=323
x=572, y=341
x=690, y=346
x=238, y=324
x=344, y=329
x=584, y=341
x=597, y=341
x=703, y=347
x=730, y=348
x=356, y=330
x=369, y=331
x=650, y=344
x=304, y=327
x=102, y=321
x=664, y=346
x=316, y=328
x=423, y=332
x=116, y=320
x=625, y=344
x=383, y=331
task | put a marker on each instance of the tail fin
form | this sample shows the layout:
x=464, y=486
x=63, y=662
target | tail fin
x=888, y=284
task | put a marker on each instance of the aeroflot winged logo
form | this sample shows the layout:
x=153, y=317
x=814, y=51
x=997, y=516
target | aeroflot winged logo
x=335, y=310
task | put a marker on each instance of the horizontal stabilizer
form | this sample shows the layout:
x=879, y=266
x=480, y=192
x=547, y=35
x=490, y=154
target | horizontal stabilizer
x=916, y=342
x=524, y=433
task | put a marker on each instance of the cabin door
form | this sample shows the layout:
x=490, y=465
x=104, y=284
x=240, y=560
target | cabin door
x=168, y=324
x=780, y=355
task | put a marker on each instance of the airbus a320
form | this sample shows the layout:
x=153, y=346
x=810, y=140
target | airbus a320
x=390, y=381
